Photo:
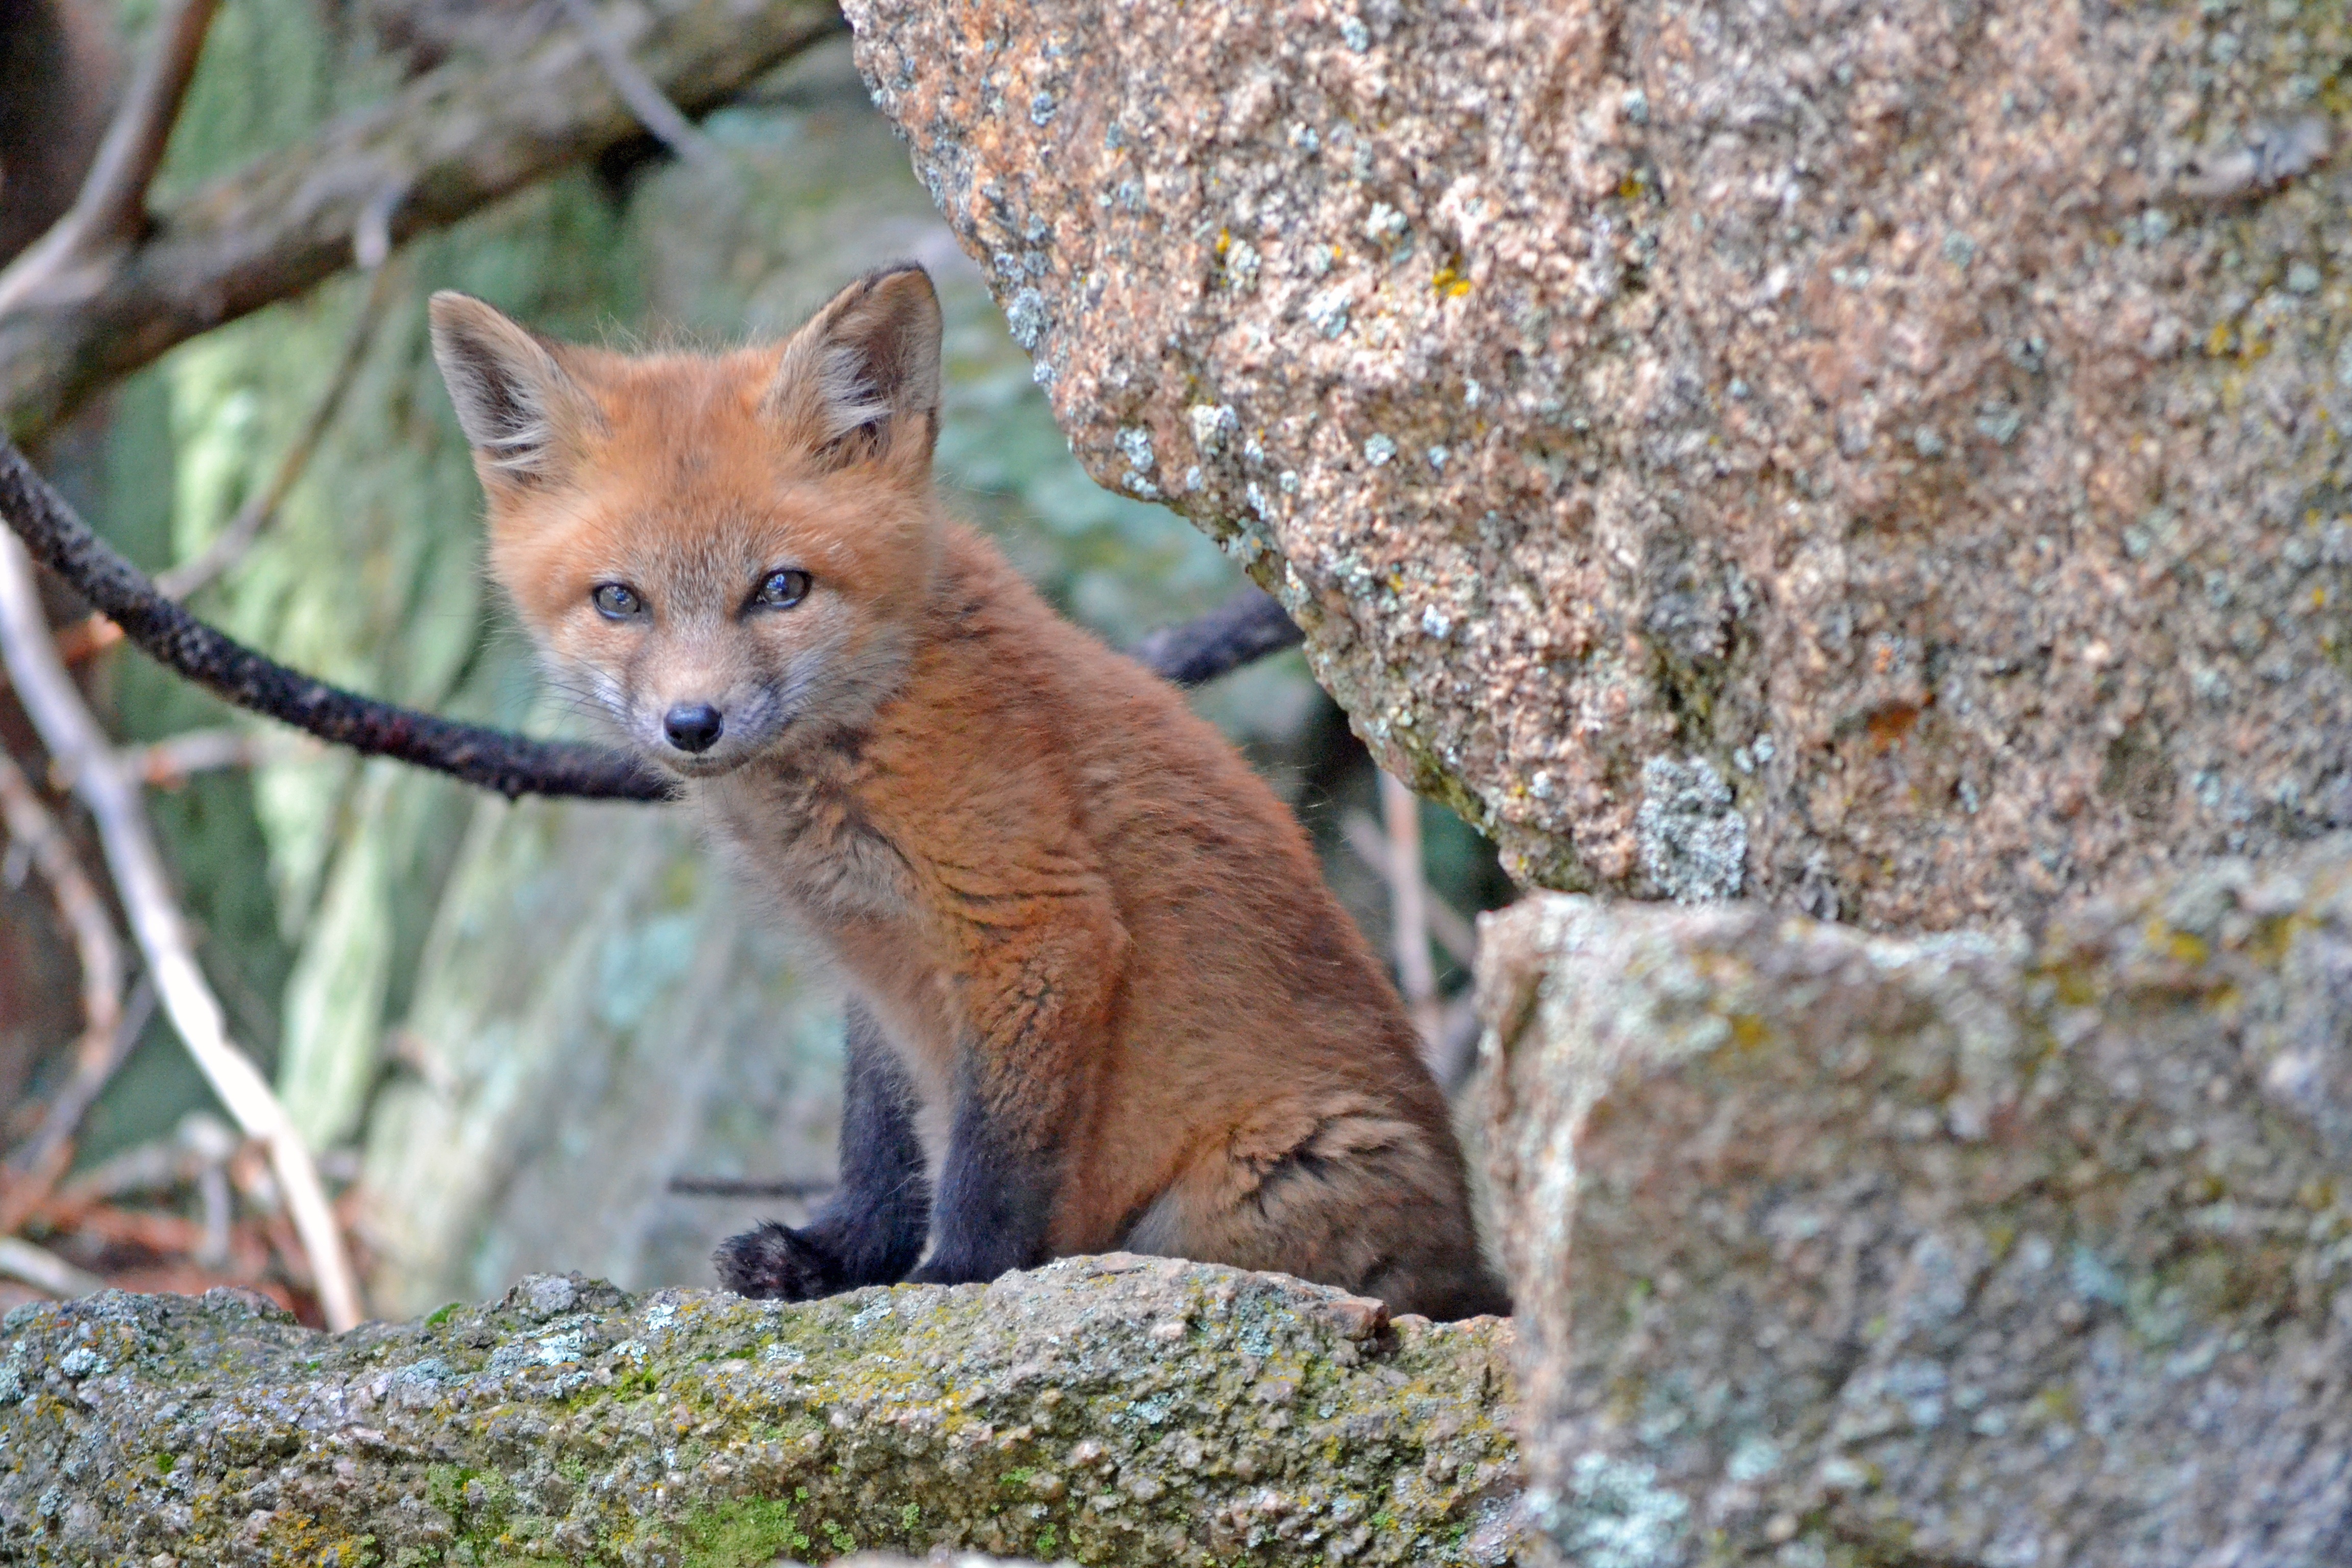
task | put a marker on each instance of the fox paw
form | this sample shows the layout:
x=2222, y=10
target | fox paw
x=774, y=1263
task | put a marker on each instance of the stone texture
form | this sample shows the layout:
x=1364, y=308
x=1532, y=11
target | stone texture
x=1119, y=1410
x=1924, y=418
x=1831, y=1248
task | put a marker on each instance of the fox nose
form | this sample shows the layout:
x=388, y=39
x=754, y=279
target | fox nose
x=693, y=726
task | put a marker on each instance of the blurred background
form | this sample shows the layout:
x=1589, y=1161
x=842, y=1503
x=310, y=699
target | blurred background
x=517, y=1036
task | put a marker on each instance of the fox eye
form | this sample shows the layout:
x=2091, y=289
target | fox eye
x=617, y=601
x=781, y=590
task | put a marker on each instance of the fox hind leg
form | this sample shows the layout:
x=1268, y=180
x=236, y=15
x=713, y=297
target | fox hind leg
x=871, y=1230
x=1357, y=1197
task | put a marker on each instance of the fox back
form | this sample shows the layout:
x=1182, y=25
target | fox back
x=1100, y=997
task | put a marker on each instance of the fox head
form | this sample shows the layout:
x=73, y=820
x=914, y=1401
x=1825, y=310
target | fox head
x=728, y=551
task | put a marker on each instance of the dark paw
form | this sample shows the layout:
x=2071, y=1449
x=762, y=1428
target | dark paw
x=775, y=1263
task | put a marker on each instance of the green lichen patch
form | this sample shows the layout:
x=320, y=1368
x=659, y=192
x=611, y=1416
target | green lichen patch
x=1109, y=1411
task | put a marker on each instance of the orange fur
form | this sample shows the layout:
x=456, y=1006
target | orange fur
x=1060, y=893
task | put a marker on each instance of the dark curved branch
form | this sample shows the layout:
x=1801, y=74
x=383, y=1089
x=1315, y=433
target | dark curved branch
x=1243, y=628
x=511, y=764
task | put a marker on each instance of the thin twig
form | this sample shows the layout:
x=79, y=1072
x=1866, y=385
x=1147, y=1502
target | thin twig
x=1369, y=844
x=739, y=1187
x=111, y=210
x=73, y=738
x=1457, y=1044
x=170, y=762
x=43, y=1270
x=644, y=97
x=87, y=638
x=230, y=544
x=95, y=633
x=1408, y=909
x=63, y=1117
x=96, y=946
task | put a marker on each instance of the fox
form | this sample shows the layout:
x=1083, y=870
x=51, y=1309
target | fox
x=1097, y=995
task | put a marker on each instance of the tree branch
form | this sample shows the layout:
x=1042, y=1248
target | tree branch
x=1244, y=629
x=231, y=543
x=62, y=1120
x=111, y=210
x=74, y=739
x=1408, y=909
x=510, y=764
x=451, y=143
x=30, y=824
x=646, y=100
x=43, y=1270
x=1226, y=637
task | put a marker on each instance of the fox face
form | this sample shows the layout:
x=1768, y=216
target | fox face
x=726, y=555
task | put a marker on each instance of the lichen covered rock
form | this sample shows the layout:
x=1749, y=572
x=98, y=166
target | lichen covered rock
x=1118, y=1410
x=1833, y=1249
x=1886, y=459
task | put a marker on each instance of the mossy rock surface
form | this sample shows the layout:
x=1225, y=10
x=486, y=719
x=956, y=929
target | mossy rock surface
x=1116, y=1410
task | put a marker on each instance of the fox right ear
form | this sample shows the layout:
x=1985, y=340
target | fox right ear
x=861, y=379
x=516, y=405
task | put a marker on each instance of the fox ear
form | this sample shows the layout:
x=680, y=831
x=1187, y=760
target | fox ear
x=862, y=380
x=518, y=408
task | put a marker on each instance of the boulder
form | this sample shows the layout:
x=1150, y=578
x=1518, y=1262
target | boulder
x=1885, y=459
x=1832, y=1248
x=1119, y=1410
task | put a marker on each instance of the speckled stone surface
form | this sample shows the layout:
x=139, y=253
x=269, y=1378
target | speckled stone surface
x=1835, y=1249
x=1886, y=458
x=1117, y=1410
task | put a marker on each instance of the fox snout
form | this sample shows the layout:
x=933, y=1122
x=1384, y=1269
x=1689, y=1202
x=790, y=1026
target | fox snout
x=706, y=725
x=693, y=727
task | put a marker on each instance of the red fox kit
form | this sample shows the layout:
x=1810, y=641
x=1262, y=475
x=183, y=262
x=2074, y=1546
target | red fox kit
x=1099, y=996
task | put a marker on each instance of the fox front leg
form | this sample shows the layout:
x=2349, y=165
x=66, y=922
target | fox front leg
x=997, y=1191
x=871, y=1230
x=1024, y=1080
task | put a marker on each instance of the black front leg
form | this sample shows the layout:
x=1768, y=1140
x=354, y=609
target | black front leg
x=871, y=1230
x=996, y=1197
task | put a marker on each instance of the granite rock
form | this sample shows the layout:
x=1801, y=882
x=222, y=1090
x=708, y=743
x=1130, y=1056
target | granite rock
x=1927, y=417
x=1839, y=1249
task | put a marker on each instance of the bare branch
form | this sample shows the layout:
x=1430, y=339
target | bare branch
x=43, y=1152
x=45, y=1270
x=170, y=762
x=111, y=211
x=230, y=544
x=511, y=764
x=743, y=1187
x=1244, y=628
x=451, y=143
x=74, y=739
x=1408, y=909
x=1367, y=841
x=652, y=107
x=85, y=915
x=490, y=758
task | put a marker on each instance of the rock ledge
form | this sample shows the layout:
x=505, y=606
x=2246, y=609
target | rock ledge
x=1119, y=1410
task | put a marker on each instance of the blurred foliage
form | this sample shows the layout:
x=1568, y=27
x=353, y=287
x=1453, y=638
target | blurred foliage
x=427, y=972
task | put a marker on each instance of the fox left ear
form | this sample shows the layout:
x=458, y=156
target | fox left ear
x=520, y=410
x=861, y=379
